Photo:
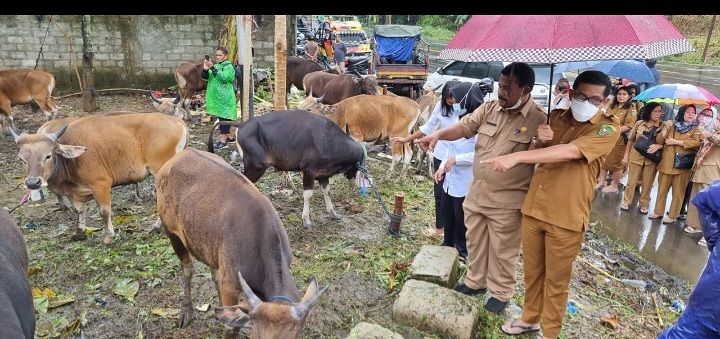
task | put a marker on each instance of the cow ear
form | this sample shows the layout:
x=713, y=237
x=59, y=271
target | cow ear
x=70, y=151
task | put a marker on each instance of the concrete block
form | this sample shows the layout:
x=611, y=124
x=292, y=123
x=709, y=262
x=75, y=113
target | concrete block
x=435, y=264
x=15, y=39
x=433, y=308
x=365, y=330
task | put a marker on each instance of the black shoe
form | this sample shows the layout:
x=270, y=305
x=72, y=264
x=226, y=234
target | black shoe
x=495, y=305
x=682, y=216
x=462, y=288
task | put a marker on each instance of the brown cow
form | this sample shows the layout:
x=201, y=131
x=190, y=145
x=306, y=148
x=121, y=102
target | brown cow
x=331, y=89
x=17, y=315
x=374, y=118
x=86, y=157
x=235, y=230
x=26, y=86
x=189, y=82
x=297, y=68
x=427, y=103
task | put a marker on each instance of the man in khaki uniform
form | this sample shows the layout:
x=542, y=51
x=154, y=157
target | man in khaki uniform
x=492, y=206
x=556, y=210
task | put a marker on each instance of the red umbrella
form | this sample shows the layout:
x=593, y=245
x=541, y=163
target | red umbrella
x=560, y=38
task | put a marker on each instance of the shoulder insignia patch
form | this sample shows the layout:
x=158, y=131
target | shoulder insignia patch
x=605, y=130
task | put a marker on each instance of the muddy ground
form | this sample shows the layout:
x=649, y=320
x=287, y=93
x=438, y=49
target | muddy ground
x=355, y=256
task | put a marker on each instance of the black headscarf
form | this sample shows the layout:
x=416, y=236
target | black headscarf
x=468, y=94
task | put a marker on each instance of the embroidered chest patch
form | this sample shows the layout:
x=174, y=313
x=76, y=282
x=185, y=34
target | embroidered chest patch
x=605, y=130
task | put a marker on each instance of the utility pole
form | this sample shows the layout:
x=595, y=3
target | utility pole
x=89, y=95
x=707, y=41
x=280, y=62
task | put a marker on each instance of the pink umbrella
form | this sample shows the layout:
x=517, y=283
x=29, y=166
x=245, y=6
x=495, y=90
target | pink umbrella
x=560, y=38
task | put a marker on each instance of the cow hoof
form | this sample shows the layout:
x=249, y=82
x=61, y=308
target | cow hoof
x=334, y=216
x=107, y=240
x=155, y=230
x=185, y=319
x=307, y=224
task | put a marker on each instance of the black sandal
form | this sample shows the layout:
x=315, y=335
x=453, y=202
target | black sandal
x=525, y=329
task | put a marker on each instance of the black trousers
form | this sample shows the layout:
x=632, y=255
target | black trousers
x=686, y=199
x=453, y=218
x=438, y=192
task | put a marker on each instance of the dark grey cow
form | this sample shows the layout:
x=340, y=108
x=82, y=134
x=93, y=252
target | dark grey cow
x=17, y=314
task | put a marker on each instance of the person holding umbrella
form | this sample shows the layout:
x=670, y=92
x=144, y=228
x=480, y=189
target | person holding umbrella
x=572, y=148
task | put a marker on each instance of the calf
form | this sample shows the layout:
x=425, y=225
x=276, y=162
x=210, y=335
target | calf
x=169, y=106
x=297, y=141
x=17, y=314
x=374, y=118
x=235, y=230
x=26, y=86
x=88, y=156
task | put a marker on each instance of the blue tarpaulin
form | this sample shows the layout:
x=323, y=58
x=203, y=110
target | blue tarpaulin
x=396, y=49
x=701, y=318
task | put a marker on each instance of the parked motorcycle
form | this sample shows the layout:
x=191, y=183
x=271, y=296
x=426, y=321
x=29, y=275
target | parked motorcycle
x=357, y=65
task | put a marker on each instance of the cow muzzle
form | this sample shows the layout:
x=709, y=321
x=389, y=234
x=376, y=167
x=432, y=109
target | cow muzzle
x=33, y=183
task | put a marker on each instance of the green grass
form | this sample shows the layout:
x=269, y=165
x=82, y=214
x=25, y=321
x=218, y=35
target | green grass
x=695, y=28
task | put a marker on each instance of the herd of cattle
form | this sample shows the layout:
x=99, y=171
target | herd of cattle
x=82, y=158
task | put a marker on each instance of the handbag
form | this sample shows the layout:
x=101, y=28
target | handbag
x=684, y=160
x=643, y=142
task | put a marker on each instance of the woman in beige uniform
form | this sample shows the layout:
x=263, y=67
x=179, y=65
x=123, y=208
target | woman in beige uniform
x=623, y=109
x=707, y=166
x=641, y=167
x=678, y=137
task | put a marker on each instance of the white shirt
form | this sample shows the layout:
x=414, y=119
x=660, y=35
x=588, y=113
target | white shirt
x=437, y=119
x=457, y=180
x=564, y=103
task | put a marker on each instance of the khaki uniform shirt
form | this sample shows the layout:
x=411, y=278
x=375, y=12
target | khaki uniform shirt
x=640, y=127
x=708, y=167
x=691, y=143
x=561, y=193
x=627, y=117
x=501, y=132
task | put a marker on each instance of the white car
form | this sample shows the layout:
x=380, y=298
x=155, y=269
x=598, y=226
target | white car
x=474, y=71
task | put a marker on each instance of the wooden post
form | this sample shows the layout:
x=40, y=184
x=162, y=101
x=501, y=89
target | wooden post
x=244, y=36
x=384, y=89
x=280, y=62
x=707, y=41
x=89, y=95
x=412, y=92
x=388, y=19
x=395, y=225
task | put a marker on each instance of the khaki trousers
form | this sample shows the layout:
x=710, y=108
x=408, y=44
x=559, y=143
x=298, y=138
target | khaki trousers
x=678, y=182
x=645, y=174
x=548, y=255
x=693, y=218
x=493, y=246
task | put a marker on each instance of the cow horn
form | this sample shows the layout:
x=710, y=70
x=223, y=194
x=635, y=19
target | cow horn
x=154, y=98
x=54, y=136
x=14, y=134
x=321, y=98
x=252, y=299
x=311, y=298
x=175, y=102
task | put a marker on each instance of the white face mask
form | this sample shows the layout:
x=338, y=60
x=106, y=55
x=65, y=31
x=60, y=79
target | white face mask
x=518, y=103
x=583, y=110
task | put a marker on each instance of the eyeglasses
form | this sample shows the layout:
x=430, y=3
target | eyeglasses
x=596, y=101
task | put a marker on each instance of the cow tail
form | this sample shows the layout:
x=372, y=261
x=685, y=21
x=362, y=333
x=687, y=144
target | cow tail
x=211, y=141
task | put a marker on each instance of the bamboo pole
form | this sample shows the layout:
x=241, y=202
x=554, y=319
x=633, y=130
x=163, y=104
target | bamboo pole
x=279, y=95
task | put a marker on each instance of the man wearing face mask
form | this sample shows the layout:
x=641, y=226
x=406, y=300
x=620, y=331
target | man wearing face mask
x=556, y=210
x=492, y=204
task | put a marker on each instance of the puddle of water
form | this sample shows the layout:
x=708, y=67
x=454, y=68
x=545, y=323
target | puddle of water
x=666, y=245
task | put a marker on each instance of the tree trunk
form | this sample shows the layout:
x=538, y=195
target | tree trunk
x=280, y=62
x=707, y=41
x=388, y=19
x=89, y=95
x=244, y=35
x=291, y=34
